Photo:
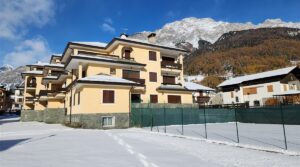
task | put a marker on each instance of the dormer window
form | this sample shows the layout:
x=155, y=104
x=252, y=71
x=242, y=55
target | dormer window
x=126, y=53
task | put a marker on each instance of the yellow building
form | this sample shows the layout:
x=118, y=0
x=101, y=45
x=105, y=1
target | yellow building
x=96, y=82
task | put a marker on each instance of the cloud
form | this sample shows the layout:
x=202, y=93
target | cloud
x=107, y=26
x=16, y=16
x=28, y=51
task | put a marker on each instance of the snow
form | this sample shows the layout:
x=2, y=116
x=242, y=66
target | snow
x=33, y=144
x=146, y=42
x=238, y=80
x=98, y=44
x=194, y=86
x=289, y=92
x=194, y=78
x=33, y=72
x=193, y=29
x=106, y=78
x=171, y=87
x=47, y=64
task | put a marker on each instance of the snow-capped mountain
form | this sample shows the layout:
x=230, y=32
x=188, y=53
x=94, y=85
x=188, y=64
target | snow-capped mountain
x=193, y=29
x=6, y=68
x=10, y=77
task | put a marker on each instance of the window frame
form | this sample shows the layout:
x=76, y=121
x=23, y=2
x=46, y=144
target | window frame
x=150, y=77
x=152, y=56
x=153, y=95
x=114, y=96
x=112, y=121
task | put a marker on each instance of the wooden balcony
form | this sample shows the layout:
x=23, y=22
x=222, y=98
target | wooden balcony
x=171, y=65
x=202, y=99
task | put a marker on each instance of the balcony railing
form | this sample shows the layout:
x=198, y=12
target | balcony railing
x=29, y=98
x=31, y=85
x=171, y=83
x=137, y=80
x=171, y=65
x=202, y=99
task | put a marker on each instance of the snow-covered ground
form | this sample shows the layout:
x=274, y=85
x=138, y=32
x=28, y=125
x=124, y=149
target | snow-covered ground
x=37, y=144
x=259, y=136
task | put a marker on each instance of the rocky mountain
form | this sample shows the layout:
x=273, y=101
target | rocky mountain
x=246, y=52
x=191, y=30
x=10, y=77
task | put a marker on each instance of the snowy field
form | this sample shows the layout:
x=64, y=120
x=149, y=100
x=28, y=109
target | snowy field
x=33, y=144
x=264, y=136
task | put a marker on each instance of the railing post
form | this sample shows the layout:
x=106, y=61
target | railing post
x=165, y=117
x=182, y=120
x=236, y=125
x=204, y=113
x=283, y=125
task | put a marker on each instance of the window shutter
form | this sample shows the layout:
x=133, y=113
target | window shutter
x=153, y=99
x=153, y=76
x=152, y=55
x=174, y=99
x=108, y=96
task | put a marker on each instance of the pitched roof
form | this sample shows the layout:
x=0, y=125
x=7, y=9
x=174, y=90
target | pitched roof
x=196, y=87
x=98, y=44
x=267, y=74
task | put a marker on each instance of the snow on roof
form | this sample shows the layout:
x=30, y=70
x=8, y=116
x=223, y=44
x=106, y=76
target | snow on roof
x=194, y=86
x=171, y=87
x=47, y=64
x=33, y=72
x=106, y=78
x=289, y=92
x=98, y=44
x=238, y=80
x=57, y=54
x=146, y=42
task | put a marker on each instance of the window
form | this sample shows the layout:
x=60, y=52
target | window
x=270, y=88
x=152, y=55
x=250, y=91
x=231, y=94
x=153, y=76
x=127, y=54
x=236, y=99
x=131, y=74
x=112, y=71
x=83, y=74
x=78, y=98
x=256, y=103
x=169, y=80
x=153, y=99
x=135, y=98
x=74, y=100
x=285, y=87
x=174, y=99
x=108, y=121
x=108, y=96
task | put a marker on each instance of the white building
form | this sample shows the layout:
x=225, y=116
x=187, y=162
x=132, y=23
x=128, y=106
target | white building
x=17, y=98
x=255, y=89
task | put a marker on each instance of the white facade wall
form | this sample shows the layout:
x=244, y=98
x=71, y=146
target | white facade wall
x=261, y=96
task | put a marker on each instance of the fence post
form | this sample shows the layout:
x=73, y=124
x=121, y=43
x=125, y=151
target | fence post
x=182, y=120
x=142, y=117
x=204, y=113
x=151, y=116
x=283, y=126
x=165, y=117
x=236, y=125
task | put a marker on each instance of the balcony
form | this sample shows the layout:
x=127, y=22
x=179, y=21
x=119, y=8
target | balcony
x=202, y=99
x=171, y=65
x=137, y=80
x=31, y=85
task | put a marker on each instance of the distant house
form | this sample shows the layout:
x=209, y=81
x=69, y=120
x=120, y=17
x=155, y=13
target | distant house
x=256, y=89
x=201, y=94
x=5, y=102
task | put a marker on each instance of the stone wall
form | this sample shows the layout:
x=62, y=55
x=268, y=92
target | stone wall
x=94, y=121
x=47, y=115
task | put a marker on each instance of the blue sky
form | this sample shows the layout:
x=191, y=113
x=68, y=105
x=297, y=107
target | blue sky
x=30, y=30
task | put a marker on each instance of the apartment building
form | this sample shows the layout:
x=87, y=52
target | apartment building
x=17, y=99
x=256, y=89
x=95, y=83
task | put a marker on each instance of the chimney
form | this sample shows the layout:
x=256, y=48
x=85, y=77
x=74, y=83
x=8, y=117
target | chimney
x=123, y=36
x=152, y=38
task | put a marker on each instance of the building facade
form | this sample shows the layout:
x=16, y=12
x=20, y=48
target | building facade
x=95, y=83
x=258, y=89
